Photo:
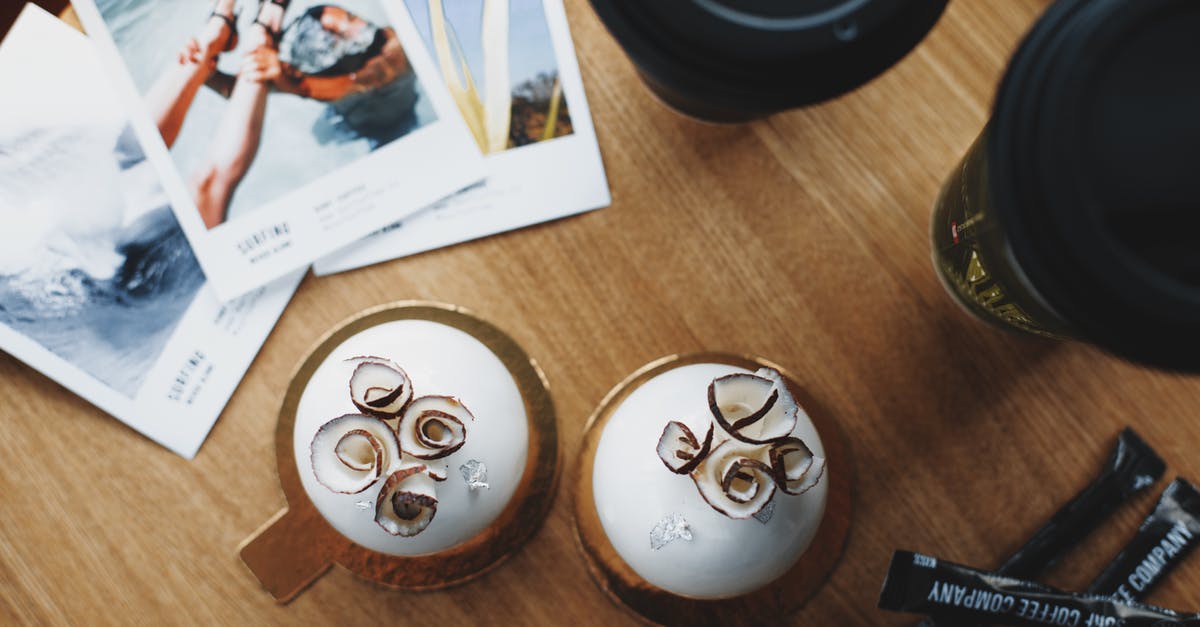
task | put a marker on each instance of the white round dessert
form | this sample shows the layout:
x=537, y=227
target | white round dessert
x=634, y=492
x=439, y=360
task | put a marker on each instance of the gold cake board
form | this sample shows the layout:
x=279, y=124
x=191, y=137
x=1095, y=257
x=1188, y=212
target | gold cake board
x=297, y=545
x=767, y=605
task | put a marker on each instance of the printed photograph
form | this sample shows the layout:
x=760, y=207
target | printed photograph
x=257, y=98
x=497, y=59
x=93, y=265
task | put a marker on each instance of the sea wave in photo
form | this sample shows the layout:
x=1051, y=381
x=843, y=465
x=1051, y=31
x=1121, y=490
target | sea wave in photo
x=93, y=265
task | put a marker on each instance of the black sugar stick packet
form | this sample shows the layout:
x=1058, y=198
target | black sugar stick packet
x=960, y=595
x=1168, y=535
x=1132, y=467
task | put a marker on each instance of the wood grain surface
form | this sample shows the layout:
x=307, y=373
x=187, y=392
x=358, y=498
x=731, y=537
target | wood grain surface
x=801, y=238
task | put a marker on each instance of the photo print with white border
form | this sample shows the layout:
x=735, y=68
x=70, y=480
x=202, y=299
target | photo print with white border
x=283, y=129
x=511, y=68
x=99, y=289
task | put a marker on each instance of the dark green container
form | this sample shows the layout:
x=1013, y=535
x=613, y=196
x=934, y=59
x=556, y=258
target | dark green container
x=1076, y=214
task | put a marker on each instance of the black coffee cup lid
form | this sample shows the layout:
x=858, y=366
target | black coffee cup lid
x=1095, y=158
x=761, y=56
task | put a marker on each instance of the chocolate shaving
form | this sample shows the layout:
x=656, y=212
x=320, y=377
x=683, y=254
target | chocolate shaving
x=408, y=505
x=798, y=481
x=374, y=375
x=756, y=416
x=447, y=412
x=772, y=402
x=740, y=476
x=384, y=400
x=731, y=461
x=435, y=416
x=406, y=512
x=735, y=473
x=693, y=452
x=374, y=443
x=331, y=462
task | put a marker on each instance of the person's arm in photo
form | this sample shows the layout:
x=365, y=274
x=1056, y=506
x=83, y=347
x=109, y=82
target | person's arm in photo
x=390, y=64
x=237, y=137
x=221, y=83
x=172, y=93
x=323, y=88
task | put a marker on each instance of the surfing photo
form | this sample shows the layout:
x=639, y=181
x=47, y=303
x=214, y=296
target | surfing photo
x=283, y=123
x=98, y=287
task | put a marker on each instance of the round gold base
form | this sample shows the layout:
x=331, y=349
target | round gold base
x=297, y=545
x=766, y=605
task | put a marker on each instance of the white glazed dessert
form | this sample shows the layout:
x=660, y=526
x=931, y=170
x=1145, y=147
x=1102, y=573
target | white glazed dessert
x=477, y=423
x=682, y=532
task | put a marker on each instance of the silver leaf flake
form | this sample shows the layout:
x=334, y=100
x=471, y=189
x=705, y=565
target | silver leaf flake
x=669, y=529
x=764, y=515
x=474, y=472
x=363, y=505
x=1142, y=481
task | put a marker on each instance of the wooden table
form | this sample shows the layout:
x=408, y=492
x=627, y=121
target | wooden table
x=802, y=238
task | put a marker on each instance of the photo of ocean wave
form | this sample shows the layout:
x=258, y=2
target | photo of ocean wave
x=93, y=265
x=302, y=139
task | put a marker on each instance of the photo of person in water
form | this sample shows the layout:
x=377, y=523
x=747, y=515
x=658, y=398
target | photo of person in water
x=253, y=110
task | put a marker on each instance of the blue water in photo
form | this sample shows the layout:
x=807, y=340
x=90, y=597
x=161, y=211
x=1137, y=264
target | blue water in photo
x=108, y=283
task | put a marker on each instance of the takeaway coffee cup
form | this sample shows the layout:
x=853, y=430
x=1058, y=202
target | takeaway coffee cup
x=735, y=60
x=1076, y=214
